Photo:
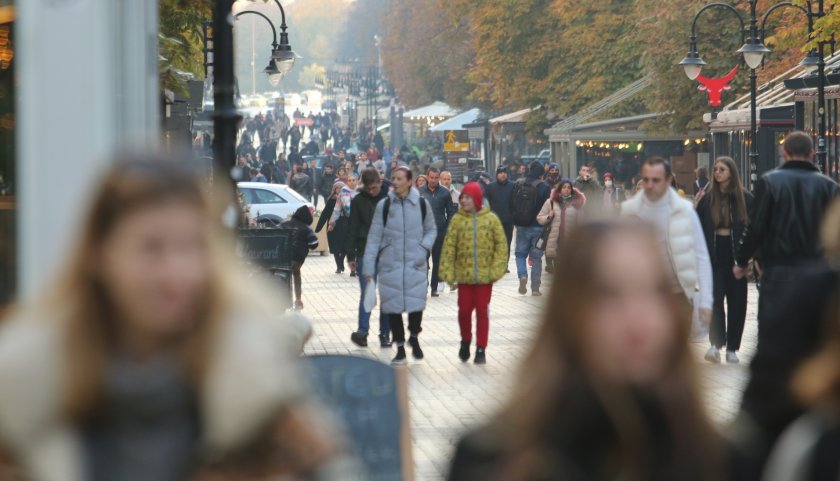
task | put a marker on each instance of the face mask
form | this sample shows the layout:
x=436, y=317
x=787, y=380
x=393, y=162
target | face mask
x=608, y=183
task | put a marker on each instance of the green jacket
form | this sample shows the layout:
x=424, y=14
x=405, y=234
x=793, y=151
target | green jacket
x=475, y=250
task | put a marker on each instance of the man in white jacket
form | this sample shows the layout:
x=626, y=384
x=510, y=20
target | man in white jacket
x=680, y=236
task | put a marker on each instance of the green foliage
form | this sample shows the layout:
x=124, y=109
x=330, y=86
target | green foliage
x=180, y=39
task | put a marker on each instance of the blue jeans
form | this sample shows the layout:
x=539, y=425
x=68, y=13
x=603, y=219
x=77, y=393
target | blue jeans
x=364, y=317
x=526, y=245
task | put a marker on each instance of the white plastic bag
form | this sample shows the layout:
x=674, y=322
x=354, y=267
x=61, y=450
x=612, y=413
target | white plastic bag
x=699, y=331
x=370, y=296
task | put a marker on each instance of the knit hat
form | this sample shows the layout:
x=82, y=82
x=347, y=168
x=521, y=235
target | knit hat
x=501, y=168
x=535, y=170
x=608, y=176
x=553, y=166
x=473, y=190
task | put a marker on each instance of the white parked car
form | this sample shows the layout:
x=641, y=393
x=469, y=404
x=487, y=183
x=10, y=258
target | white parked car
x=272, y=204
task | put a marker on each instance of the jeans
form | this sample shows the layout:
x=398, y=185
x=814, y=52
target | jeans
x=526, y=242
x=364, y=317
x=436, y=251
x=474, y=297
x=397, y=327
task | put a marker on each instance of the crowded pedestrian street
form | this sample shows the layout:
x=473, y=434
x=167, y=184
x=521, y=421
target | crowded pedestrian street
x=448, y=397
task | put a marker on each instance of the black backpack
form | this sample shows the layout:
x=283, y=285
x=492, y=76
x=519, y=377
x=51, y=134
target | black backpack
x=523, y=203
x=387, y=207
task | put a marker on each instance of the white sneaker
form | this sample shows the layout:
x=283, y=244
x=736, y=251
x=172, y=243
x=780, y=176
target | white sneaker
x=713, y=355
x=732, y=357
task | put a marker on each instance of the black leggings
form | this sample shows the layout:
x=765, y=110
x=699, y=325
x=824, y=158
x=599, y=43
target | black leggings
x=414, y=321
x=296, y=278
x=339, y=261
x=727, y=325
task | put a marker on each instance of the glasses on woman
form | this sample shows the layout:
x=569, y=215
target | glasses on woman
x=720, y=169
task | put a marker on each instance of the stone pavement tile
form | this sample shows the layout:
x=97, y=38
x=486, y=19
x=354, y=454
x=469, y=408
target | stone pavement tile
x=447, y=397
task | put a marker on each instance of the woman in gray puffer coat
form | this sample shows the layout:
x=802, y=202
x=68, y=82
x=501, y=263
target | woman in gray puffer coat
x=400, y=239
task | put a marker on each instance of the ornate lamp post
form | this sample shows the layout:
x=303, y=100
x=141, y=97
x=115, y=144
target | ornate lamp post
x=225, y=117
x=753, y=52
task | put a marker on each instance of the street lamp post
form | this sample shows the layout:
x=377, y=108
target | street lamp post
x=753, y=52
x=225, y=117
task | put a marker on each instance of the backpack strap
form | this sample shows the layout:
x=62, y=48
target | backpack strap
x=387, y=207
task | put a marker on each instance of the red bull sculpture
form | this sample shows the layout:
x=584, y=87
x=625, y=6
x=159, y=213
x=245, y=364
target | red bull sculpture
x=715, y=86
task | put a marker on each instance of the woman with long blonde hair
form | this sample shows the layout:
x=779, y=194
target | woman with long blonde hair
x=154, y=357
x=608, y=390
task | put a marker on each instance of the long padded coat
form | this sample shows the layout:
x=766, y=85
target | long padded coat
x=401, y=249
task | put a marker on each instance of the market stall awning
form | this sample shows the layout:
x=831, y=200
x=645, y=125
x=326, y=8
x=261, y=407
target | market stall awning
x=437, y=110
x=512, y=118
x=458, y=122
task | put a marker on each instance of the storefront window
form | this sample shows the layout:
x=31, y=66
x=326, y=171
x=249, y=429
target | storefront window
x=8, y=264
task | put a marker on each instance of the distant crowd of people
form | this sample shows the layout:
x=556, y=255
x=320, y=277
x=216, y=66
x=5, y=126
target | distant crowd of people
x=155, y=356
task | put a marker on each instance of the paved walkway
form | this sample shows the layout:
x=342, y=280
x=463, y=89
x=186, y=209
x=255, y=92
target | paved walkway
x=448, y=397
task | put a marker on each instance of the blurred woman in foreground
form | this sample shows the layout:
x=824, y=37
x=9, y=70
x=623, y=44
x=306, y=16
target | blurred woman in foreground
x=608, y=391
x=154, y=358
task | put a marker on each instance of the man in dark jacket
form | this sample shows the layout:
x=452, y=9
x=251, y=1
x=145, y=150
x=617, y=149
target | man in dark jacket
x=590, y=187
x=789, y=205
x=362, y=208
x=303, y=240
x=300, y=182
x=440, y=199
x=528, y=230
x=325, y=184
x=498, y=194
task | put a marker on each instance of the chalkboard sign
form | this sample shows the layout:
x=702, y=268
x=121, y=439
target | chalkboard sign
x=371, y=399
x=269, y=248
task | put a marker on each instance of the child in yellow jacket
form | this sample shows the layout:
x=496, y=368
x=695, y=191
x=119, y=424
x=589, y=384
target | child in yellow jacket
x=475, y=255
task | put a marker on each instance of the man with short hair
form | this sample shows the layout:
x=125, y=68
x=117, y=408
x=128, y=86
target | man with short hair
x=590, y=187
x=443, y=209
x=325, y=183
x=527, y=197
x=680, y=236
x=784, y=224
x=446, y=181
x=362, y=209
x=499, y=194
x=300, y=182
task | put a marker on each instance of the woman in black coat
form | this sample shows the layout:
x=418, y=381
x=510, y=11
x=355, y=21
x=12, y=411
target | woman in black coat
x=723, y=212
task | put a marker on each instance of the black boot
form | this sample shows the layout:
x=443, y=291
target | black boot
x=415, y=347
x=400, y=357
x=464, y=353
x=385, y=340
x=479, y=356
x=359, y=339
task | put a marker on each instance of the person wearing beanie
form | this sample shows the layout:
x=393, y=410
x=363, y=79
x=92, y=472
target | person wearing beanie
x=553, y=176
x=528, y=195
x=475, y=255
x=498, y=195
x=303, y=240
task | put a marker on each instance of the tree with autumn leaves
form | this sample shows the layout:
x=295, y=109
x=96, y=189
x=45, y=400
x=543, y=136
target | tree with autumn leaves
x=565, y=54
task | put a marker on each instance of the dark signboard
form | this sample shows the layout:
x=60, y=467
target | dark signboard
x=269, y=248
x=371, y=399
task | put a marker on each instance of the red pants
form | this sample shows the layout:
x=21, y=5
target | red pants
x=474, y=297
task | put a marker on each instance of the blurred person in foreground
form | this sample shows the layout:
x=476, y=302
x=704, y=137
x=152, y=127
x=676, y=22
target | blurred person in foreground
x=784, y=226
x=810, y=448
x=609, y=389
x=154, y=357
